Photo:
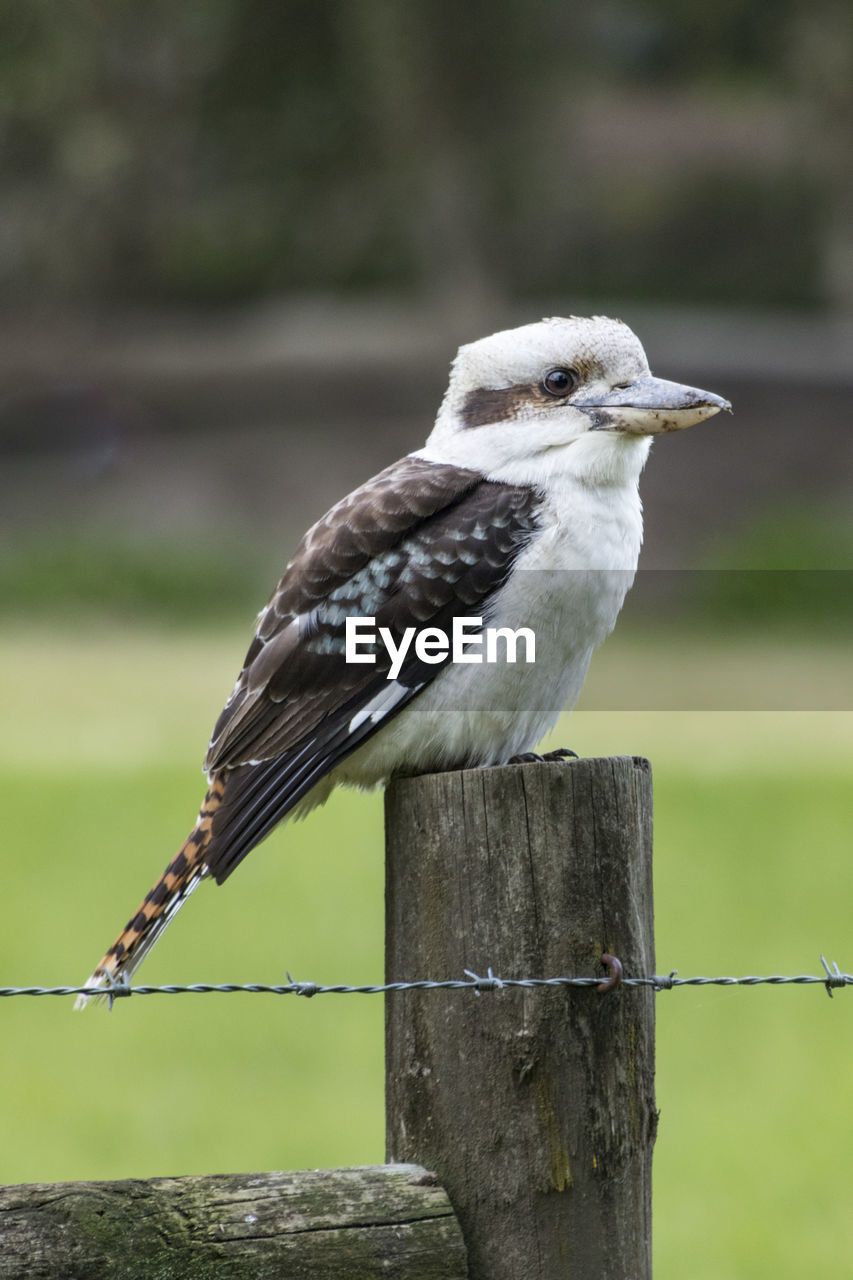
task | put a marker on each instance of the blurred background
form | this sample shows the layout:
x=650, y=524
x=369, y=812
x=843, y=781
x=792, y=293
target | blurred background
x=240, y=243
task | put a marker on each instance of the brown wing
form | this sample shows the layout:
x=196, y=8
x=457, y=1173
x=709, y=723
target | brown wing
x=415, y=546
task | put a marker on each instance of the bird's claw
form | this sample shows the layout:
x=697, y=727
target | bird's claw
x=532, y=757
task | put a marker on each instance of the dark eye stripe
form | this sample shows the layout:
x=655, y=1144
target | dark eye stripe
x=485, y=404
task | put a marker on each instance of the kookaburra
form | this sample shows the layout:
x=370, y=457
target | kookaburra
x=521, y=511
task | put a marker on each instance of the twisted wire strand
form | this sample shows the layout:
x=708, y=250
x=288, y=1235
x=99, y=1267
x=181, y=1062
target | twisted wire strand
x=831, y=979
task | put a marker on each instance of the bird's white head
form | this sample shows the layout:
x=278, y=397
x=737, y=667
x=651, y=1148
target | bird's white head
x=562, y=397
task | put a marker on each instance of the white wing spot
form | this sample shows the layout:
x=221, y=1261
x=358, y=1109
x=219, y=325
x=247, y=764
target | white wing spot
x=379, y=706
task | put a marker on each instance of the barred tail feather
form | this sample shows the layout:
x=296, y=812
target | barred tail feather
x=160, y=905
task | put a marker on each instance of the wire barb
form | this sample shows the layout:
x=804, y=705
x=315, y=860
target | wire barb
x=306, y=989
x=664, y=981
x=116, y=987
x=489, y=983
x=834, y=977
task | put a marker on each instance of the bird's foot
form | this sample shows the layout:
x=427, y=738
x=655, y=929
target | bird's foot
x=531, y=757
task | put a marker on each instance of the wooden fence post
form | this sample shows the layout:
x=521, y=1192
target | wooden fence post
x=321, y=1224
x=534, y=1107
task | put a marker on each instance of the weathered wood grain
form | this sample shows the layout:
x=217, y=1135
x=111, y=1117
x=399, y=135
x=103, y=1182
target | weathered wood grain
x=334, y=1224
x=534, y=1107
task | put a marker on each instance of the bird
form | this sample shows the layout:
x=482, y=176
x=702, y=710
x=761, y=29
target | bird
x=521, y=511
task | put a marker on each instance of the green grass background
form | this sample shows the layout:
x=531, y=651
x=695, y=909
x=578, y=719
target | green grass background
x=103, y=726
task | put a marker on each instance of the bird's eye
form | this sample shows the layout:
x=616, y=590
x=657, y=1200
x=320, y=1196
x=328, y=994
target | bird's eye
x=560, y=382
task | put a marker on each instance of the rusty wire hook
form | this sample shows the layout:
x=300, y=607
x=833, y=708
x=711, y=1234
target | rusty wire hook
x=614, y=964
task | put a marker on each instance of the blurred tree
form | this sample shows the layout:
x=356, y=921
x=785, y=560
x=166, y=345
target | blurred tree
x=219, y=149
x=99, y=138
x=820, y=54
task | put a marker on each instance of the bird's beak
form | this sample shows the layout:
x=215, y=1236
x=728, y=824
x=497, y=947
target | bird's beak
x=650, y=406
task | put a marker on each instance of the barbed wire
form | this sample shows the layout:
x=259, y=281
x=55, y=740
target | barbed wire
x=831, y=979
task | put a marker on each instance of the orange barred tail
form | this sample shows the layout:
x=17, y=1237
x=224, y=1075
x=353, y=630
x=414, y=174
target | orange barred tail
x=160, y=904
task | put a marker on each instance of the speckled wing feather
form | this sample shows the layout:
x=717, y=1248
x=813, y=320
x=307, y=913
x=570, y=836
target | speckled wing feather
x=419, y=544
x=416, y=546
